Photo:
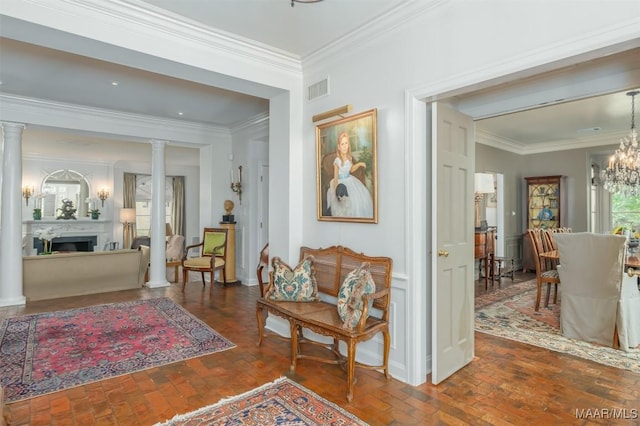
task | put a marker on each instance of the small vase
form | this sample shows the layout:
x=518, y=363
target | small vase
x=95, y=216
x=37, y=214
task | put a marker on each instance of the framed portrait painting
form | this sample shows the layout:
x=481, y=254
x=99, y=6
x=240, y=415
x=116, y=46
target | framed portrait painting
x=347, y=169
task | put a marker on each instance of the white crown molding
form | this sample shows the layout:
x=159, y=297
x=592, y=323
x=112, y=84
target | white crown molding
x=255, y=124
x=132, y=126
x=148, y=22
x=618, y=37
x=372, y=30
x=91, y=162
x=499, y=142
x=510, y=145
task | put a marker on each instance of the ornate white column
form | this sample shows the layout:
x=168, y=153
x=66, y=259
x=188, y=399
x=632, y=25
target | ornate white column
x=11, y=292
x=158, y=269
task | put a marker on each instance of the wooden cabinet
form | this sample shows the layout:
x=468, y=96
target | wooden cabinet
x=484, y=243
x=544, y=196
x=484, y=246
x=544, y=210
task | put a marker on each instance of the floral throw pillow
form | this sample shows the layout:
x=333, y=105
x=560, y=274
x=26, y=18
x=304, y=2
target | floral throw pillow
x=293, y=285
x=350, y=304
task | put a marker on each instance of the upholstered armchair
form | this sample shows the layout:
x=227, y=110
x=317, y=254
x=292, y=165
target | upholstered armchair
x=600, y=302
x=207, y=256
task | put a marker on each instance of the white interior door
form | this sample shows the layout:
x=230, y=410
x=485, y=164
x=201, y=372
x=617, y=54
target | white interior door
x=263, y=207
x=453, y=162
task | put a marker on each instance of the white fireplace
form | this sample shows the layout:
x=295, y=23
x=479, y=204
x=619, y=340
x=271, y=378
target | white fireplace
x=100, y=229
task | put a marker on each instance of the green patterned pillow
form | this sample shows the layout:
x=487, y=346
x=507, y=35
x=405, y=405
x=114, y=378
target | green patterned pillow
x=356, y=284
x=293, y=285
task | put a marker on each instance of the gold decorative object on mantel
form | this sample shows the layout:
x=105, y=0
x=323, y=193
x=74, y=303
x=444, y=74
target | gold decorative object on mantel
x=332, y=113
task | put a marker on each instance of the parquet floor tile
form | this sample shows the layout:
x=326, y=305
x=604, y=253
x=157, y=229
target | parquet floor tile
x=508, y=383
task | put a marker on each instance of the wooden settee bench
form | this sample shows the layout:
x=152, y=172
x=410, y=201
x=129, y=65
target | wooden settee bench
x=331, y=265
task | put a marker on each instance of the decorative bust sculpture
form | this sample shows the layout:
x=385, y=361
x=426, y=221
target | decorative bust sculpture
x=228, y=208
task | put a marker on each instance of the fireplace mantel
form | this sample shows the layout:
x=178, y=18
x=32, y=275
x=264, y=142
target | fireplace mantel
x=68, y=228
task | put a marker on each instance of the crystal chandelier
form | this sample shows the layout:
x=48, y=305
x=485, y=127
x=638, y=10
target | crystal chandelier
x=622, y=175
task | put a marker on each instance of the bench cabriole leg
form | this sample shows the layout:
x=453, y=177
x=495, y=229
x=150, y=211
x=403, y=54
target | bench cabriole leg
x=260, y=324
x=387, y=345
x=351, y=367
x=294, y=345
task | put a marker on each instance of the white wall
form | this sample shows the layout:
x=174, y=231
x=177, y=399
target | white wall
x=250, y=149
x=454, y=45
x=441, y=47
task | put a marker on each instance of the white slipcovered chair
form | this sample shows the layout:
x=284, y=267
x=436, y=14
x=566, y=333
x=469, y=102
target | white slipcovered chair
x=600, y=302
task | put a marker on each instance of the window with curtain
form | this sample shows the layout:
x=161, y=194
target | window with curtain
x=144, y=189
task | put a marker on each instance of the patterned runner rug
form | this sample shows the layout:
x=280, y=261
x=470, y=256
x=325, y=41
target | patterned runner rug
x=281, y=402
x=48, y=352
x=510, y=313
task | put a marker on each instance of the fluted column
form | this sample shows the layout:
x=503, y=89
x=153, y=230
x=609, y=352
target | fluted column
x=11, y=291
x=158, y=269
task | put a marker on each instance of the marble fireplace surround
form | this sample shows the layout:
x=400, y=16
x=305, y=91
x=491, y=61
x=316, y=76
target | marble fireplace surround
x=100, y=229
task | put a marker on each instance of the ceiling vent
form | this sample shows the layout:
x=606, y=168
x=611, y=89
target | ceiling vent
x=318, y=90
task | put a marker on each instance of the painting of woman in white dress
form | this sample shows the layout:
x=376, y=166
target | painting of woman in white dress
x=347, y=169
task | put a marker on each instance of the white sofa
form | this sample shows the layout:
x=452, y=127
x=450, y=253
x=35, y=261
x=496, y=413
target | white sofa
x=81, y=273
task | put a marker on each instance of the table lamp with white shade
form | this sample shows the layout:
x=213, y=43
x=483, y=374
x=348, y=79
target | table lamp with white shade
x=483, y=184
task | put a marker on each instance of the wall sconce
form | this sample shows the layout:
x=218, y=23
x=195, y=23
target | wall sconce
x=237, y=186
x=28, y=192
x=103, y=194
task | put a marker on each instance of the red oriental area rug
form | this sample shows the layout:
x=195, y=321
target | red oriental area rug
x=48, y=352
x=281, y=402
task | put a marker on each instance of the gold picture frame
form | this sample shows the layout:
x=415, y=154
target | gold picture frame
x=354, y=196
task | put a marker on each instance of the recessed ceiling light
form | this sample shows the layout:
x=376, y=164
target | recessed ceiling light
x=180, y=113
x=115, y=83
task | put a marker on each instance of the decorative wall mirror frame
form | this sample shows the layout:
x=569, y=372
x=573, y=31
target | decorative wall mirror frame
x=62, y=184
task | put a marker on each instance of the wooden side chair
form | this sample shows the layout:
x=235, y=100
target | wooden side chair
x=211, y=255
x=264, y=261
x=544, y=274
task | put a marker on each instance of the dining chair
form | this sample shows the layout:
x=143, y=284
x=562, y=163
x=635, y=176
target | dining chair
x=545, y=273
x=549, y=244
x=210, y=255
x=600, y=302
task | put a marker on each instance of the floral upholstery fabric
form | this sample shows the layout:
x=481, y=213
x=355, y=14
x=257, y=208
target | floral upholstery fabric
x=293, y=285
x=350, y=303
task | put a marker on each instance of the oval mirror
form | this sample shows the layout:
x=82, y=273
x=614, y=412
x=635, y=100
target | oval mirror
x=65, y=184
